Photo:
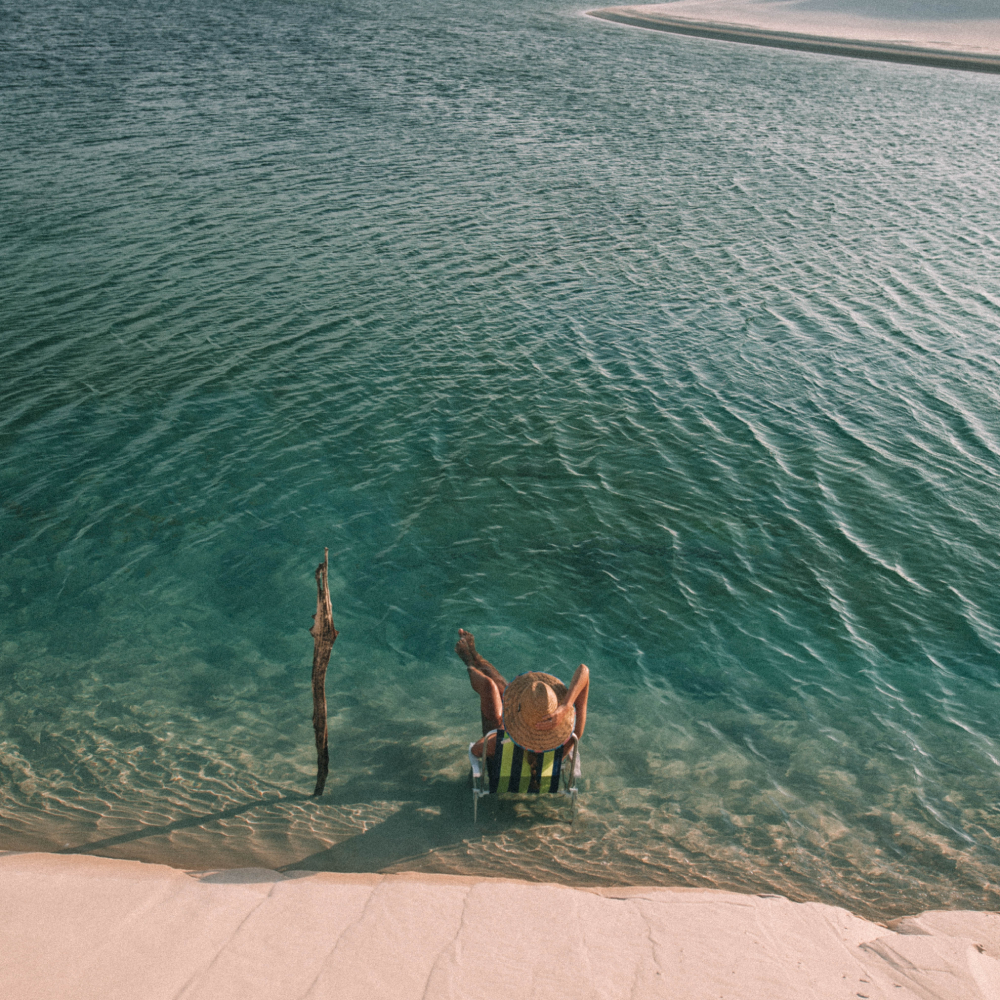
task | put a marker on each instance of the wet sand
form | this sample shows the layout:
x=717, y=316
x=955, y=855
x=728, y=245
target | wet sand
x=85, y=927
x=954, y=42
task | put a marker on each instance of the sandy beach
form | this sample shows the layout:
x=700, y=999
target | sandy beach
x=85, y=927
x=970, y=42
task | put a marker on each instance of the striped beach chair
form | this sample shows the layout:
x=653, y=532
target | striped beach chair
x=511, y=770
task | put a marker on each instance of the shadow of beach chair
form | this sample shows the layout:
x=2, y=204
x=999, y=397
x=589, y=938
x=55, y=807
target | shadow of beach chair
x=512, y=771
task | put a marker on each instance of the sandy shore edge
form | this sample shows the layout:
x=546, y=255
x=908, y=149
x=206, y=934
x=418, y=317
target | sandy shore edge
x=657, y=17
x=82, y=927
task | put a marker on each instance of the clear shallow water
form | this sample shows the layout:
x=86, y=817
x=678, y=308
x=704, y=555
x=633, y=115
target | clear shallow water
x=675, y=357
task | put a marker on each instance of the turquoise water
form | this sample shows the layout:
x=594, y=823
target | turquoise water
x=674, y=357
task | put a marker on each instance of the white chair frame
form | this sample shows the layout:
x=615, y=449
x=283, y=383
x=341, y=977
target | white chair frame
x=568, y=776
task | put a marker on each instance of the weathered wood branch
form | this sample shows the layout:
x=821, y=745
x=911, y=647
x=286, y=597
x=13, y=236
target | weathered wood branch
x=324, y=636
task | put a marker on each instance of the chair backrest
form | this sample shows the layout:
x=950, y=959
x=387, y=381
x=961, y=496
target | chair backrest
x=514, y=769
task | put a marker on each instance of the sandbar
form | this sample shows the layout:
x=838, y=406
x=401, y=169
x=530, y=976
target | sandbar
x=951, y=42
x=85, y=927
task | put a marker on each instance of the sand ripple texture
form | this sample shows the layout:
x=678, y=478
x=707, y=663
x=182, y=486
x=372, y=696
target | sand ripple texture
x=674, y=357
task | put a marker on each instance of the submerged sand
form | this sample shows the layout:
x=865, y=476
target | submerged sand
x=953, y=41
x=85, y=927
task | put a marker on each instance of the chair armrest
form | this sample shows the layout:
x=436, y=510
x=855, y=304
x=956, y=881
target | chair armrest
x=476, y=763
x=575, y=755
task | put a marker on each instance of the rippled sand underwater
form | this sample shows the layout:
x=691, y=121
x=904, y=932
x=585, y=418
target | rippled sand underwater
x=673, y=357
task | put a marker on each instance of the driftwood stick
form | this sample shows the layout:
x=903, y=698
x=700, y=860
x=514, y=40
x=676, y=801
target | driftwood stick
x=324, y=636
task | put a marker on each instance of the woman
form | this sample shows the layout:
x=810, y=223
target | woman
x=536, y=710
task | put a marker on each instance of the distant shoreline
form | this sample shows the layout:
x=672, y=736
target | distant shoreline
x=653, y=18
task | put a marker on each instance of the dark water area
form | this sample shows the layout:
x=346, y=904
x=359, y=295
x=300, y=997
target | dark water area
x=674, y=357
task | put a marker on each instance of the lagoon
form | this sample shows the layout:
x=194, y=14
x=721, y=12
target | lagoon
x=666, y=355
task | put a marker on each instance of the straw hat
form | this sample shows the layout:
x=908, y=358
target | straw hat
x=529, y=698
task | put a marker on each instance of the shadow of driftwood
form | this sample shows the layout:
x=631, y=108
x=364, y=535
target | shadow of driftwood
x=181, y=824
x=435, y=808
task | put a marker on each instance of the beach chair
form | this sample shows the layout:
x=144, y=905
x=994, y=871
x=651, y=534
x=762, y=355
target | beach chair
x=510, y=770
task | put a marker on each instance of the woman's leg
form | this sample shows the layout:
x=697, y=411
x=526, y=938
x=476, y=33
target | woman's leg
x=490, y=705
x=485, y=679
x=466, y=649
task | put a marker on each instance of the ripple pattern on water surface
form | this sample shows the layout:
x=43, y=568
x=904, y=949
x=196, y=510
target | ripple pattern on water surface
x=671, y=356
